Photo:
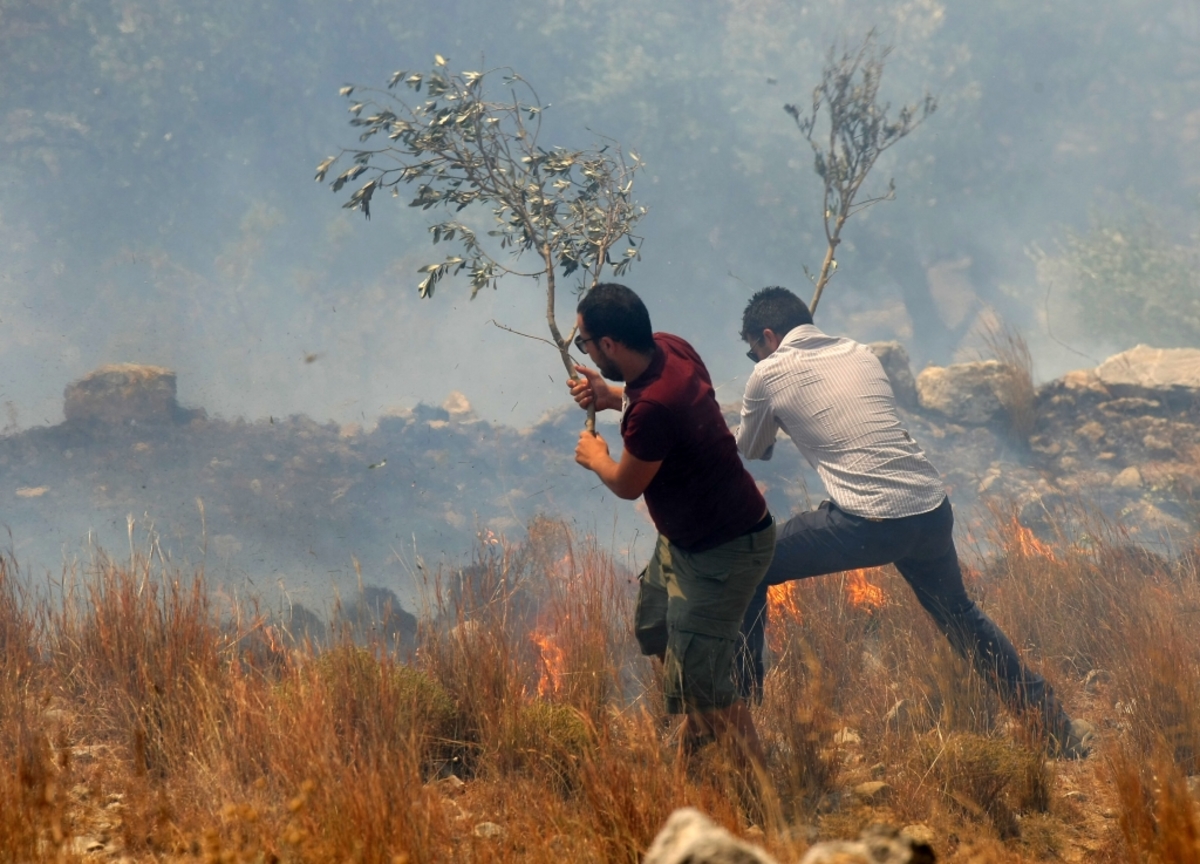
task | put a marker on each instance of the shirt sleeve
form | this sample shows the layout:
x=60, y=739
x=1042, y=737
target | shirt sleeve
x=756, y=433
x=648, y=431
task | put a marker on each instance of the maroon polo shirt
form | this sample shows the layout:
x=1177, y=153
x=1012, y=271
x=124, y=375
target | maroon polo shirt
x=702, y=495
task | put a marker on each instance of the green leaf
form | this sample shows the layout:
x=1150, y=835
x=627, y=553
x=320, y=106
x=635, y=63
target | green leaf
x=324, y=167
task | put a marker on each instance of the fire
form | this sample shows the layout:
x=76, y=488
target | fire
x=863, y=594
x=784, y=613
x=1025, y=543
x=553, y=664
x=783, y=603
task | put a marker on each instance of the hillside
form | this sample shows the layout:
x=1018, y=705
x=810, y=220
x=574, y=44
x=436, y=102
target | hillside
x=305, y=506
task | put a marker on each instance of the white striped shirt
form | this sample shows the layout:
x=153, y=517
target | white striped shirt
x=833, y=399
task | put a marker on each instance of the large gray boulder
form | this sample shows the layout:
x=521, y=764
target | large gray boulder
x=690, y=837
x=973, y=393
x=1146, y=368
x=898, y=367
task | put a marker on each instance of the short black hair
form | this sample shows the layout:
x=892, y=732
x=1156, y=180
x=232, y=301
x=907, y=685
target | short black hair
x=614, y=311
x=776, y=309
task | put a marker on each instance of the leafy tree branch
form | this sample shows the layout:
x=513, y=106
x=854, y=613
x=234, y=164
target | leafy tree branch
x=859, y=132
x=555, y=211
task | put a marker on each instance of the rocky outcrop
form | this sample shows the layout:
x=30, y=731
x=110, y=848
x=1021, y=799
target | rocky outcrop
x=1146, y=368
x=690, y=837
x=966, y=392
x=125, y=394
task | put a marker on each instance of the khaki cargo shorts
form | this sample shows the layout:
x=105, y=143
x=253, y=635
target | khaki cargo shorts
x=689, y=611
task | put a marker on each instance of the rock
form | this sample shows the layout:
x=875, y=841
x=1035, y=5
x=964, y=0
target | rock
x=918, y=832
x=1130, y=478
x=125, y=394
x=965, y=392
x=1158, y=446
x=878, y=844
x=898, y=368
x=873, y=792
x=690, y=837
x=1083, y=379
x=1146, y=368
x=489, y=830
x=846, y=736
x=451, y=786
x=1096, y=678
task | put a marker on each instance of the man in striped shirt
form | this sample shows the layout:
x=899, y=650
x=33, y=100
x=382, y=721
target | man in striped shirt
x=887, y=503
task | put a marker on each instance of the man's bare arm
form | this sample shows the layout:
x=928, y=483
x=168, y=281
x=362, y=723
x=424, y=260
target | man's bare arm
x=626, y=479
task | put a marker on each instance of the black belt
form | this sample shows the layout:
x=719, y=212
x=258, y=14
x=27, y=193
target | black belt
x=762, y=524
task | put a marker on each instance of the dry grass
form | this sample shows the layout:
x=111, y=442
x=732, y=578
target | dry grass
x=1018, y=394
x=524, y=727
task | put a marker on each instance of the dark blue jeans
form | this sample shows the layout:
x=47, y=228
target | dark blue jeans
x=829, y=540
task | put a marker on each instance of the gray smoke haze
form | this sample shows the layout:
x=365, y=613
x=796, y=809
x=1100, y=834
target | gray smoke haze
x=157, y=203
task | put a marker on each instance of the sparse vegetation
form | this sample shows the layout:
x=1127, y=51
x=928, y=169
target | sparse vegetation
x=859, y=132
x=1019, y=395
x=1133, y=278
x=524, y=727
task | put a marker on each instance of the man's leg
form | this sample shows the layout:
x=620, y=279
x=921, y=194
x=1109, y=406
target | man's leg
x=708, y=594
x=814, y=543
x=933, y=572
x=650, y=611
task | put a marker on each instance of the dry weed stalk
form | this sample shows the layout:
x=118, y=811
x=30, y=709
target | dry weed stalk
x=1018, y=394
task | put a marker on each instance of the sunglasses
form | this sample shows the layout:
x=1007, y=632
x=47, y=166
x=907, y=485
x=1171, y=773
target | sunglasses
x=581, y=343
x=750, y=354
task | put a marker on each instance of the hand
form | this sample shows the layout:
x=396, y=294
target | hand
x=590, y=388
x=591, y=450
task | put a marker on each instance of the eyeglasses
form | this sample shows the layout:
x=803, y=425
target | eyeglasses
x=581, y=343
x=750, y=354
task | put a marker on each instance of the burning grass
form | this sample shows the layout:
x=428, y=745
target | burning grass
x=136, y=720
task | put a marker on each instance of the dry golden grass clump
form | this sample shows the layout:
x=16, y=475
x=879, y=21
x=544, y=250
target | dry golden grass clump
x=137, y=721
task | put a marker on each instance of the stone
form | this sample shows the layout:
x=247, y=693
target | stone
x=971, y=393
x=878, y=844
x=918, y=832
x=894, y=359
x=1083, y=379
x=451, y=785
x=1146, y=368
x=1158, y=446
x=489, y=830
x=846, y=736
x=1130, y=478
x=1091, y=431
x=873, y=792
x=690, y=837
x=125, y=394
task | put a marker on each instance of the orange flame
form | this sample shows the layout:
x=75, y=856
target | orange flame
x=784, y=613
x=553, y=664
x=863, y=594
x=1024, y=543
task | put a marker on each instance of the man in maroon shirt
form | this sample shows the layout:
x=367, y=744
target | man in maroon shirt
x=716, y=538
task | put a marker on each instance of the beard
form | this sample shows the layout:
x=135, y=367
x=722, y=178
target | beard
x=607, y=367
